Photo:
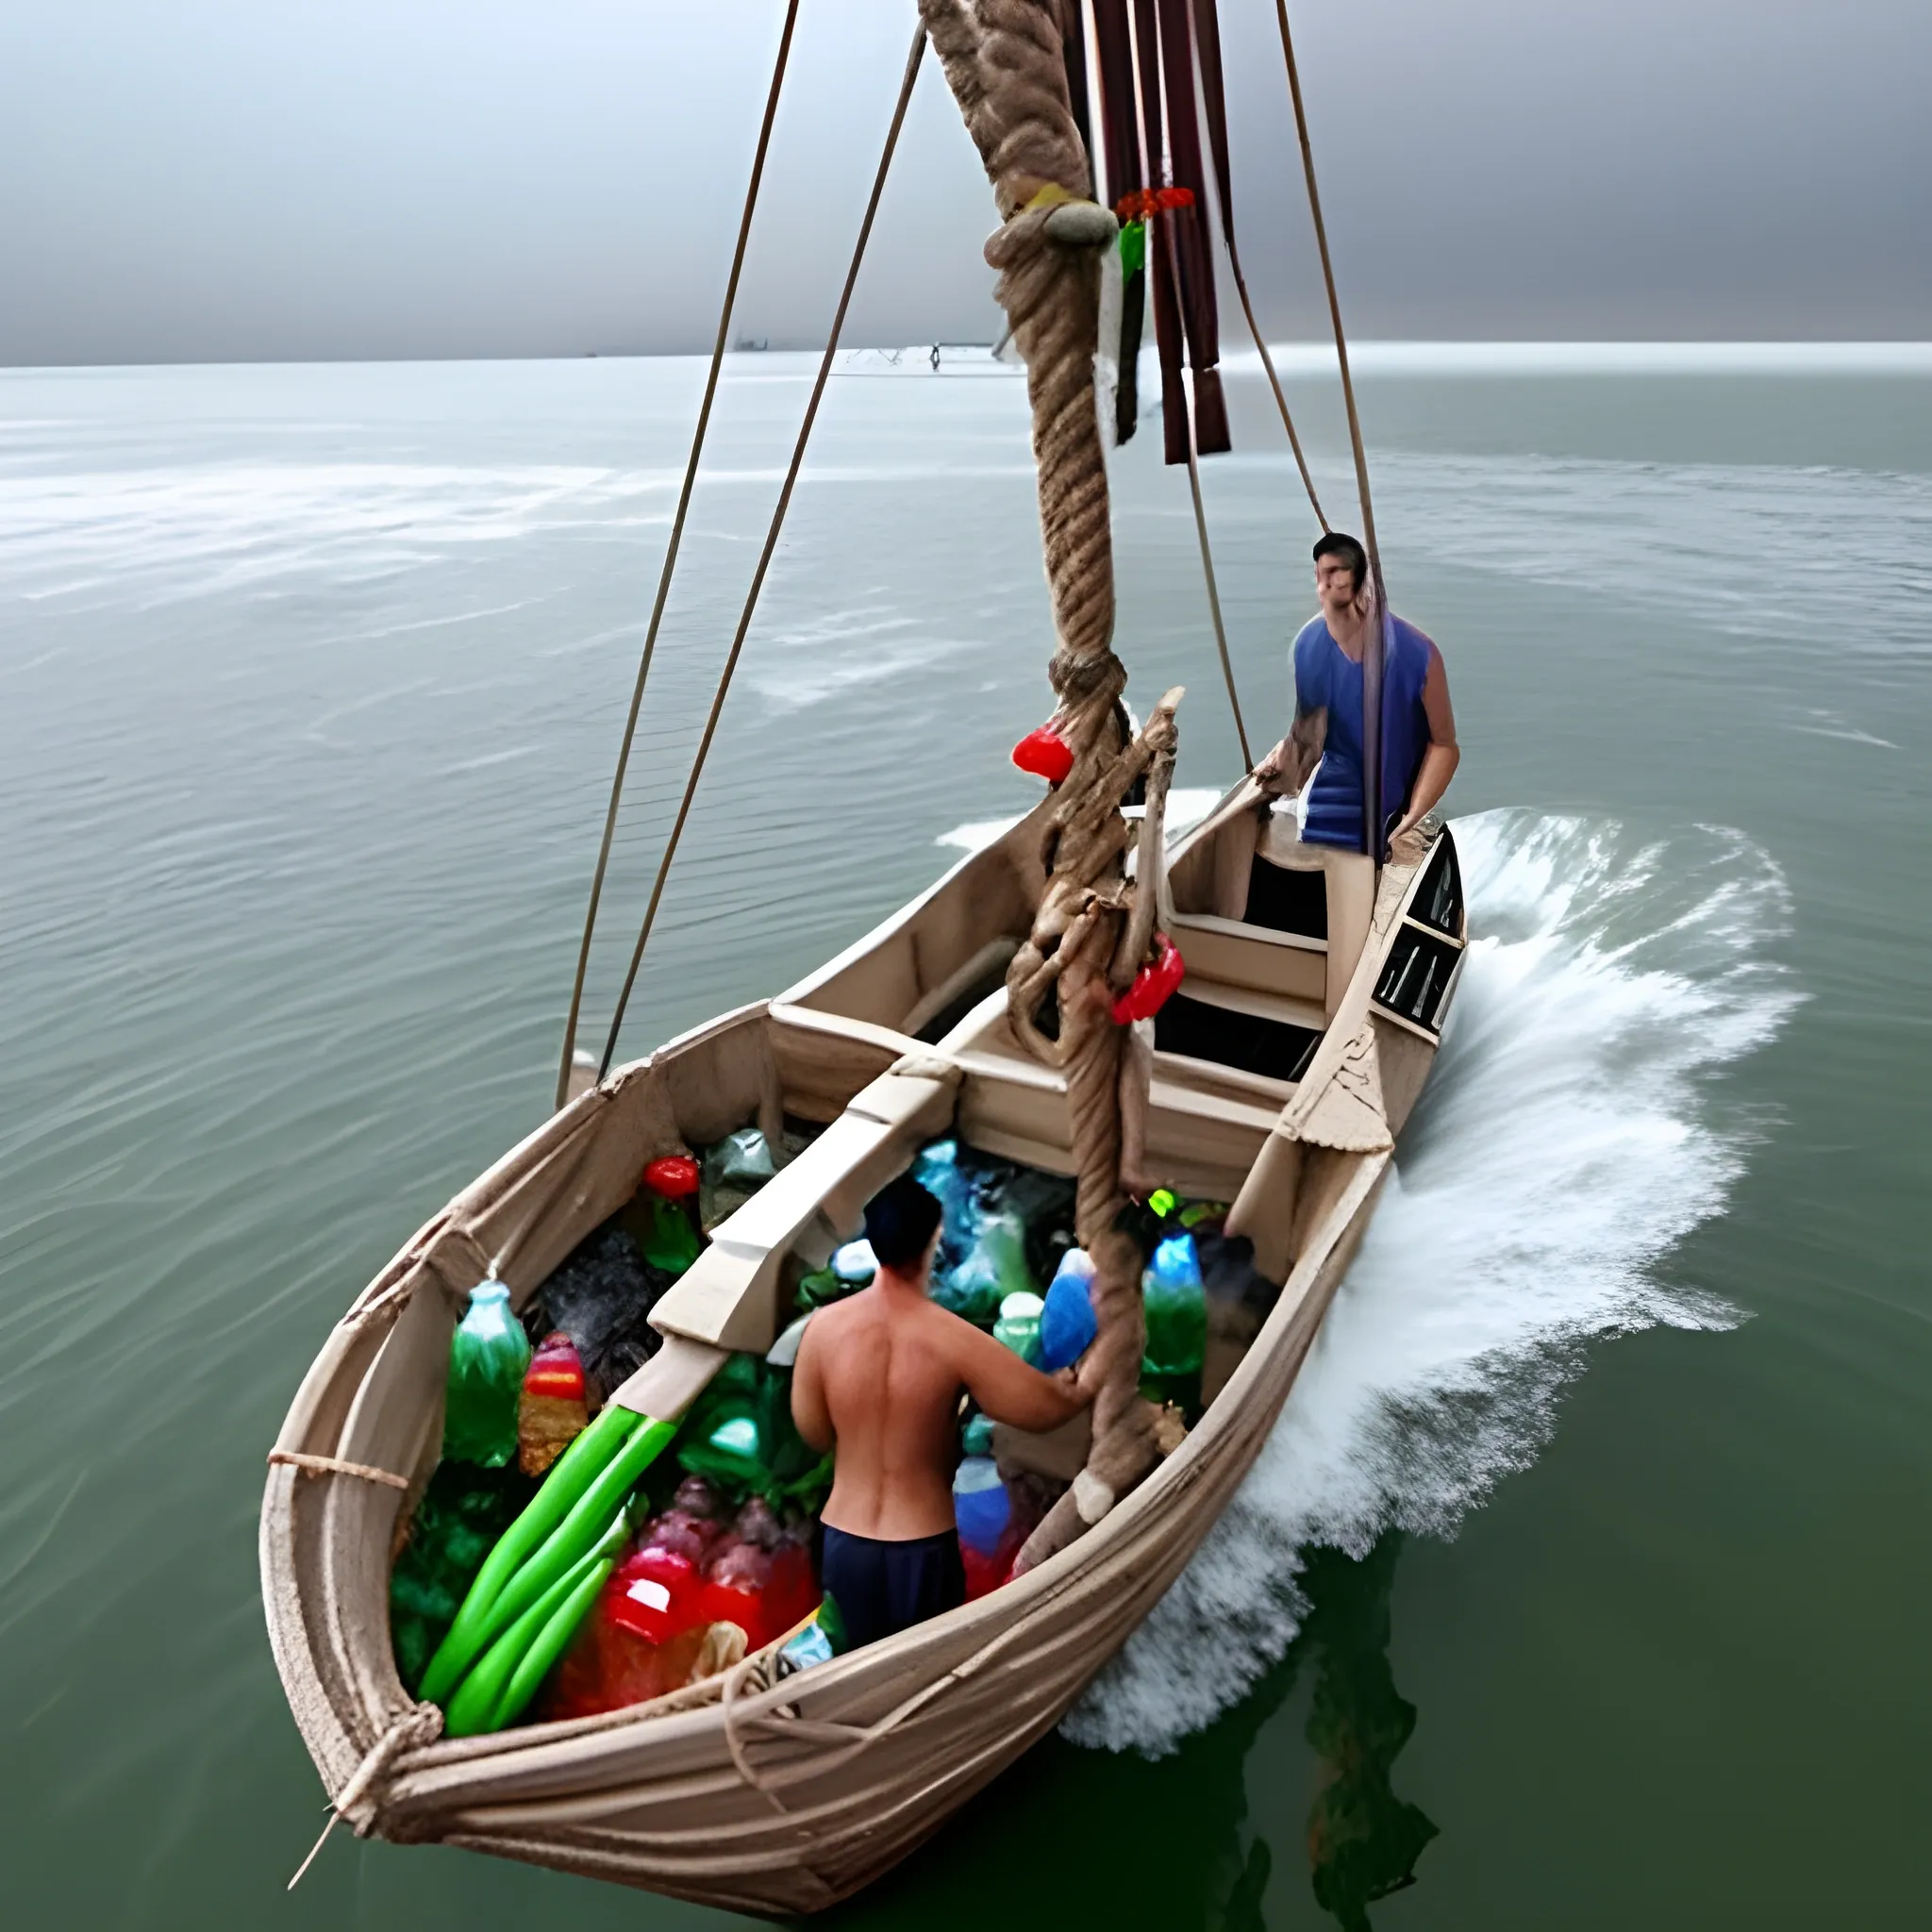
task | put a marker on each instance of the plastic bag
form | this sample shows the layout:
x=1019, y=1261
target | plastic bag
x=995, y=1268
x=740, y=1436
x=735, y=1169
x=601, y=1295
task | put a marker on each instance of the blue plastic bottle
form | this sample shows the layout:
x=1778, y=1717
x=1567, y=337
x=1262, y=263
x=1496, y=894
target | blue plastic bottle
x=981, y=1507
x=937, y=1169
x=1067, y=1326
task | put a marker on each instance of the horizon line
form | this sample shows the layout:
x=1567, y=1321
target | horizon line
x=1377, y=355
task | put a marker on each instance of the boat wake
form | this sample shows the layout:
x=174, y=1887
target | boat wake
x=1565, y=1143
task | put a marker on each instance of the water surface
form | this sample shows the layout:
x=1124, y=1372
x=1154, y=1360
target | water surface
x=1582, y=1580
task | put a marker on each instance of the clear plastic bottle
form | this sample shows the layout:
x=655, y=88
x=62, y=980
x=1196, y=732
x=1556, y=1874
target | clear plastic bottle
x=1018, y=1326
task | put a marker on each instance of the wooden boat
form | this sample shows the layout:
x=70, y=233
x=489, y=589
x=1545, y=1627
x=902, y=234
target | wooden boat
x=785, y=1797
x=1275, y=1078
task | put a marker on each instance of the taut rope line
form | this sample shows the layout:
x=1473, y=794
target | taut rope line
x=1295, y=442
x=1355, y=424
x=1373, y=638
x=1234, y=703
x=690, y=475
x=777, y=523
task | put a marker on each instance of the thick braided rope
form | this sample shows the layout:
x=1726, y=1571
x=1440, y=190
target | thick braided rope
x=1003, y=61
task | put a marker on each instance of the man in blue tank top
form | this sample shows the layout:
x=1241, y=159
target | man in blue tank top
x=1419, y=753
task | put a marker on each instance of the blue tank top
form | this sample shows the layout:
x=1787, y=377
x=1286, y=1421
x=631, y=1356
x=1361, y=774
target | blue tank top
x=1326, y=678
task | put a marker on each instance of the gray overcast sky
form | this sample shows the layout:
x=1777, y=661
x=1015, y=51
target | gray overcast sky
x=216, y=180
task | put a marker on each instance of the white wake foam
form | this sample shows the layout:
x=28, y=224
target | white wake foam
x=1566, y=1141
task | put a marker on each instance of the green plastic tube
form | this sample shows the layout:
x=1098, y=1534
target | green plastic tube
x=561, y=1550
x=570, y=1476
x=472, y=1709
x=539, y=1659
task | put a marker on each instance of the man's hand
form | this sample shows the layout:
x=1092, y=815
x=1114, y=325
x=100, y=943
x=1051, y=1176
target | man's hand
x=1272, y=772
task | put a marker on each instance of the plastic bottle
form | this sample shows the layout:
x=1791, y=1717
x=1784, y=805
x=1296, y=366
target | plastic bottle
x=488, y=1355
x=551, y=1410
x=1067, y=1324
x=976, y=1439
x=737, y=1578
x=821, y=1639
x=938, y=1171
x=1177, y=1308
x=995, y=1268
x=981, y=1507
x=1018, y=1326
x=990, y=1535
x=660, y=1216
x=657, y=1594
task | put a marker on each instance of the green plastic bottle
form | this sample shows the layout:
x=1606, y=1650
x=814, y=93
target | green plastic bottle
x=488, y=1355
x=1176, y=1309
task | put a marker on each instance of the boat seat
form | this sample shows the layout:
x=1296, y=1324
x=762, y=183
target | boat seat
x=1206, y=1125
x=733, y=1294
x=1251, y=906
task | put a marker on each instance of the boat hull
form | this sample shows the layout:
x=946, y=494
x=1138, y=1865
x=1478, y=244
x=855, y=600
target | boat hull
x=739, y=1793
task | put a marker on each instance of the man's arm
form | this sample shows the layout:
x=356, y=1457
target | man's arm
x=1011, y=1390
x=1286, y=769
x=1439, y=762
x=809, y=1415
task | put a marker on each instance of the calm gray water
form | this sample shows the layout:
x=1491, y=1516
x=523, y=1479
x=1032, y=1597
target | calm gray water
x=1585, y=1576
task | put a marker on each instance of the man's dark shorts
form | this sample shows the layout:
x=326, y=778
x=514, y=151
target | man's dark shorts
x=883, y=1588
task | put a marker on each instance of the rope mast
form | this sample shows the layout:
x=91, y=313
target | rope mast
x=1006, y=61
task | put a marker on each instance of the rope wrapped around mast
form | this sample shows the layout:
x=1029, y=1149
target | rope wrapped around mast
x=1005, y=61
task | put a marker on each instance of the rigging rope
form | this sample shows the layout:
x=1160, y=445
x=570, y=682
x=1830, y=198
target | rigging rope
x=1372, y=639
x=1355, y=425
x=1295, y=442
x=684, y=496
x=757, y=582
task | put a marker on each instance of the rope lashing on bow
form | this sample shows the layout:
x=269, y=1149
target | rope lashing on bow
x=420, y=1725
x=335, y=1465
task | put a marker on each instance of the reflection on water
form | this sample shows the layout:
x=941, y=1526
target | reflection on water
x=1364, y=1841
x=1202, y=1835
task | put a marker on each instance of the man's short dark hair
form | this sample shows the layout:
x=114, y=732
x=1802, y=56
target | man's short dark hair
x=899, y=1220
x=1339, y=544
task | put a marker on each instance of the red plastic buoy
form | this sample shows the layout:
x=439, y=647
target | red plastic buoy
x=673, y=1178
x=1045, y=753
x=1153, y=984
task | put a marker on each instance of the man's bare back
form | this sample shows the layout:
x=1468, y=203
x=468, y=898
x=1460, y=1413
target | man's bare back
x=881, y=1373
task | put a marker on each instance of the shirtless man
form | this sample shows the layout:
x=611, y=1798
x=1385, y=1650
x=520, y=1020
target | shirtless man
x=881, y=1373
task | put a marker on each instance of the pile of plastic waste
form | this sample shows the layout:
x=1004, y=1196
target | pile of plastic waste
x=498, y=1574
x=570, y=1557
x=1007, y=1261
x=703, y=1584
